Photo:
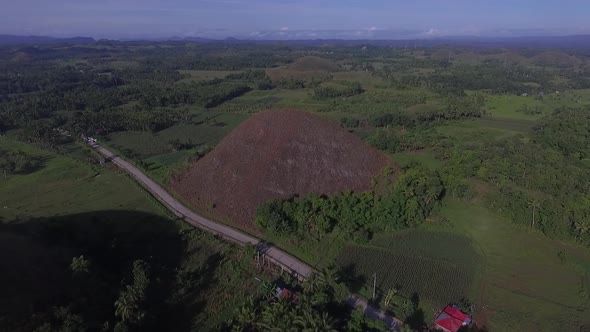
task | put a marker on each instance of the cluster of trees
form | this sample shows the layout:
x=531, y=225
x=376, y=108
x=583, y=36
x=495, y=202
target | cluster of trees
x=99, y=97
x=456, y=108
x=355, y=215
x=134, y=119
x=352, y=89
x=566, y=130
x=497, y=75
x=17, y=162
x=45, y=132
x=541, y=183
x=208, y=94
x=349, y=122
x=529, y=110
x=317, y=307
x=129, y=307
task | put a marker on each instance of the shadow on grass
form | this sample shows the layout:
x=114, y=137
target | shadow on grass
x=36, y=278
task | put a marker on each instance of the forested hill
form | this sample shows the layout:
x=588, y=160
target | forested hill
x=548, y=42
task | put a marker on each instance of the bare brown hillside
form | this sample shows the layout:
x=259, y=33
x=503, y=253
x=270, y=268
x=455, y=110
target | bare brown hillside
x=277, y=154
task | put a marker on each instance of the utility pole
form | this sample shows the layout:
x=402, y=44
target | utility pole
x=374, y=284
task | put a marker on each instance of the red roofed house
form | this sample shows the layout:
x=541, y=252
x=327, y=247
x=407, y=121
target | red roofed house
x=451, y=319
x=285, y=293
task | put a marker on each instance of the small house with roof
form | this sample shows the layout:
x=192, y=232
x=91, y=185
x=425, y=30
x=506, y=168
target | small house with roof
x=451, y=319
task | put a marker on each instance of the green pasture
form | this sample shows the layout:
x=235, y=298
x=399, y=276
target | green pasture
x=424, y=157
x=529, y=282
x=206, y=129
x=64, y=185
x=507, y=106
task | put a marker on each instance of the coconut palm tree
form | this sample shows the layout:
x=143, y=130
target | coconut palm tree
x=246, y=316
x=277, y=316
x=312, y=284
x=407, y=307
x=126, y=307
x=268, y=289
x=329, y=277
x=310, y=321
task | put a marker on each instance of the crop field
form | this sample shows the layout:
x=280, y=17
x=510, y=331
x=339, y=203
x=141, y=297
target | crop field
x=440, y=267
x=516, y=297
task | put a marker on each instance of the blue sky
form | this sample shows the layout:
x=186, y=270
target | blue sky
x=294, y=19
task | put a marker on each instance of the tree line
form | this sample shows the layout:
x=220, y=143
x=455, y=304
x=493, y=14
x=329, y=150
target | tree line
x=356, y=215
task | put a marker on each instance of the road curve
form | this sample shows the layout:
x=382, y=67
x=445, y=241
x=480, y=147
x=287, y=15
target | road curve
x=181, y=211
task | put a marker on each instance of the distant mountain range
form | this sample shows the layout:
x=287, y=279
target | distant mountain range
x=567, y=42
x=28, y=40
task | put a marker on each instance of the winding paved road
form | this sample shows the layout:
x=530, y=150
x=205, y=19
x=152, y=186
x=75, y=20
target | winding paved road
x=181, y=211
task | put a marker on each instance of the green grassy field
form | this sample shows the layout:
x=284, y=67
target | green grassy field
x=529, y=283
x=507, y=106
x=206, y=128
x=424, y=157
x=64, y=186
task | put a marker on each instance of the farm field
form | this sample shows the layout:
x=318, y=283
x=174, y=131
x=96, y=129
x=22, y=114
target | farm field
x=516, y=297
x=441, y=267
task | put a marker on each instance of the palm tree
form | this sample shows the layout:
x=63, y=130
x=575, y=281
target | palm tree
x=277, y=316
x=246, y=316
x=310, y=321
x=407, y=307
x=268, y=289
x=329, y=277
x=325, y=323
x=126, y=307
x=312, y=284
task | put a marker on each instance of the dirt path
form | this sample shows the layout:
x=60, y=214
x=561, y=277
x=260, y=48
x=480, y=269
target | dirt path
x=181, y=211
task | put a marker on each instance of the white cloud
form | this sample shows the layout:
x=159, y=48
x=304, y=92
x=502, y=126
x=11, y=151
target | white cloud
x=373, y=28
x=432, y=32
x=284, y=29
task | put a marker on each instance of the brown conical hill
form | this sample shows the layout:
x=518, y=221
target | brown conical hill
x=277, y=154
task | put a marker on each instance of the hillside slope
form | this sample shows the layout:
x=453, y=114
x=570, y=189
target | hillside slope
x=277, y=154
